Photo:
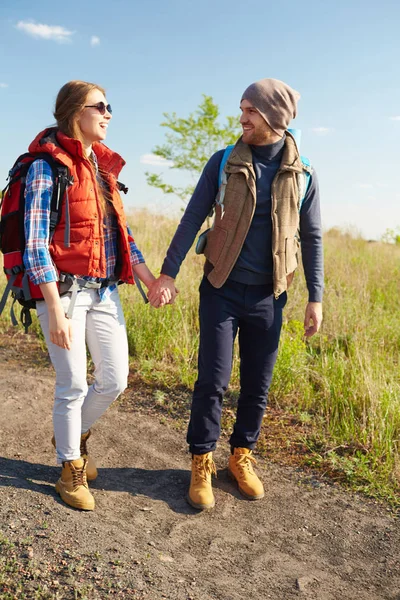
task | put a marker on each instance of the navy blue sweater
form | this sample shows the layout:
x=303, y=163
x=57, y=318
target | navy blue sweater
x=254, y=264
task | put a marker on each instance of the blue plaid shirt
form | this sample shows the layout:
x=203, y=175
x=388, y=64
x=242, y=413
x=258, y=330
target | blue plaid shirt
x=37, y=259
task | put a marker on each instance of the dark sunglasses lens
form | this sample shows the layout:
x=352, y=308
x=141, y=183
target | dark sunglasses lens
x=101, y=107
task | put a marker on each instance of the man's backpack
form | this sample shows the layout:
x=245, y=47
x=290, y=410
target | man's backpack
x=12, y=231
x=303, y=181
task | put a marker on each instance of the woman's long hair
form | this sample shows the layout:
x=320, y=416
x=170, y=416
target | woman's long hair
x=70, y=101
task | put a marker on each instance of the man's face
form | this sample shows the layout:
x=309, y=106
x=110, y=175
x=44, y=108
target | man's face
x=256, y=130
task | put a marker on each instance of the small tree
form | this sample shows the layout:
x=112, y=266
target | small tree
x=391, y=236
x=190, y=142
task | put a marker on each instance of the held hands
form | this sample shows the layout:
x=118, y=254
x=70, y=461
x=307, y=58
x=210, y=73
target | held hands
x=313, y=318
x=162, y=291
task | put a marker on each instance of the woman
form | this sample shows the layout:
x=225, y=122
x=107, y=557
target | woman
x=93, y=243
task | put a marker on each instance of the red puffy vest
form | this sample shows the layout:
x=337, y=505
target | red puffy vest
x=86, y=254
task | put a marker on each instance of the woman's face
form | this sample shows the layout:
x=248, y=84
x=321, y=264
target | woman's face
x=91, y=122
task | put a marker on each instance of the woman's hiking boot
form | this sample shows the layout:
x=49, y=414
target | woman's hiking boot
x=200, y=492
x=240, y=469
x=72, y=485
x=91, y=470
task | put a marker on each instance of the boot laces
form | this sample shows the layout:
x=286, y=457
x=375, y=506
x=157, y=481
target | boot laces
x=244, y=462
x=204, y=468
x=79, y=475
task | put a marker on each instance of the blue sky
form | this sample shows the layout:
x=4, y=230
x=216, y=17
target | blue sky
x=161, y=56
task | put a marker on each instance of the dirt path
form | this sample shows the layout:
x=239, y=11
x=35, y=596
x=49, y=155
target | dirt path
x=143, y=540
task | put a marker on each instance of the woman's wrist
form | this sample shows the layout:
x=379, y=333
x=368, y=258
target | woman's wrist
x=144, y=274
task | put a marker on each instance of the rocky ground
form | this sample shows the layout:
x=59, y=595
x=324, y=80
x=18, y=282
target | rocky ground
x=306, y=539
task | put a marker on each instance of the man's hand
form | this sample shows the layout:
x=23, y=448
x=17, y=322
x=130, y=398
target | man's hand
x=162, y=291
x=313, y=318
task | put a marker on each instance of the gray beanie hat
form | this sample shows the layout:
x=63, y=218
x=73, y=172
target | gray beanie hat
x=275, y=101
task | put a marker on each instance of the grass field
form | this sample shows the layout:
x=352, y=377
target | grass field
x=344, y=384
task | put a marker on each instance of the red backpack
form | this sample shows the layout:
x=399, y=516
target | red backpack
x=12, y=235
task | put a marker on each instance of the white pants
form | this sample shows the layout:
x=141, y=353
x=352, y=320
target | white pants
x=100, y=325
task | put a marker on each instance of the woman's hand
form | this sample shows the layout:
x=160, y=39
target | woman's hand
x=60, y=327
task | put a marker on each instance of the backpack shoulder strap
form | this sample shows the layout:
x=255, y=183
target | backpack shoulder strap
x=304, y=179
x=224, y=160
x=61, y=180
x=306, y=164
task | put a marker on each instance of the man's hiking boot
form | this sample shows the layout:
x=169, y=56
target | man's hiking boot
x=240, y=469
x=91, y=471
x=72, y=485
x=200, y=492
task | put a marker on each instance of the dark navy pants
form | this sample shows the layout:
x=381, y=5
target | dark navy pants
x=252, y=311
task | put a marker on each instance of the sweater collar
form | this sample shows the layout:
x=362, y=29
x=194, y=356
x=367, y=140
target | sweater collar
x=242, y=157
x=269, y=152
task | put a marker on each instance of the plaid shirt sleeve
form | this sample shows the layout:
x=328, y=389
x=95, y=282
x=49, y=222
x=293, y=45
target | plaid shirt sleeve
x=38, y=191
x=136, y=255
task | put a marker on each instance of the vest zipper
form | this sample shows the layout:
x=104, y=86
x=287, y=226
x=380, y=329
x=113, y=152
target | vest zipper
x=247, y=230
x=101, y=218
x=273, y=219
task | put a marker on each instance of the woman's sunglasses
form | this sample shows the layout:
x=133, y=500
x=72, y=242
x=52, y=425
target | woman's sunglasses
x=101, y=107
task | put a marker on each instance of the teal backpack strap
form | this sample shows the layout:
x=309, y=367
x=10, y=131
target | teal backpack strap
x=304, y=179
x=296, y=133
x=224, y=160
x=222, y=181
x=305, y=176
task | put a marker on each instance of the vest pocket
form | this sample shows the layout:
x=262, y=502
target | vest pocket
x=291, y=249
x=216, y=239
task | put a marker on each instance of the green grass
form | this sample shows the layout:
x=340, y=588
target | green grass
x=345, y=382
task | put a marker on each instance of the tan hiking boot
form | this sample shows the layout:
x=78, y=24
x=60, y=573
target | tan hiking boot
x=72, y=485
x=240, y=469
x=200, y=492
x=91, y=470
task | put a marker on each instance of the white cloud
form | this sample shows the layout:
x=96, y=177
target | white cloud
x=45, y=32
x=157, y=161
x=3, y=85
x=94, y=40
x=395, y=118
x=322, y=130
x=363, y=186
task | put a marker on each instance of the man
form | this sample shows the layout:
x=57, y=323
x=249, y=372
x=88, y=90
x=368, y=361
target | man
x=251, y=257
